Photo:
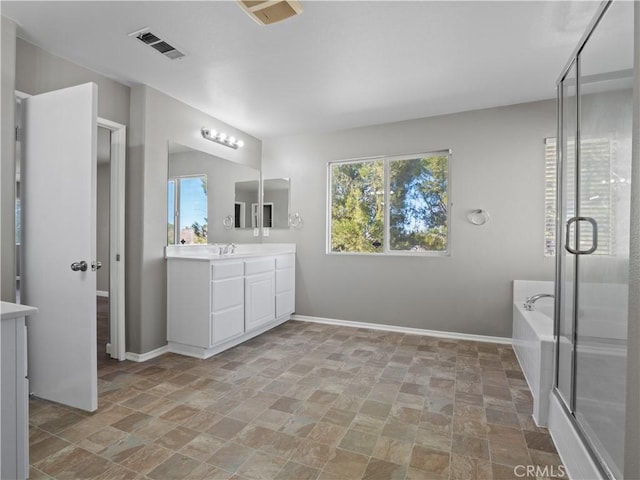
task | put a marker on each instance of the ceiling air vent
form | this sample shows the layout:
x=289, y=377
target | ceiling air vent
x=266, y=12
x=154, y=41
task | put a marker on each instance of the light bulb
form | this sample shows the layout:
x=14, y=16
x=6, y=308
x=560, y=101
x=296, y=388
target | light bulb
x=222, y=137
x=232, y=140
x=240, y=143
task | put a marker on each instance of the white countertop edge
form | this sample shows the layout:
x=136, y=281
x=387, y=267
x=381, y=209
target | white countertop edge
x=13, y=310
x=210, y=252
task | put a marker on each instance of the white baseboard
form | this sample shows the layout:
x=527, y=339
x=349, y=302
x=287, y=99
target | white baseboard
x=398, y=329
x=204, y=353
x=107, y=348
x=143, y=357
x=102, y=293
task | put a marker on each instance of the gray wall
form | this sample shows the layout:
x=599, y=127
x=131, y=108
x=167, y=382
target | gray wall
x=7, y=163
x=38, y=71
x=497, y=164
x=157, y=119
x=102, y=215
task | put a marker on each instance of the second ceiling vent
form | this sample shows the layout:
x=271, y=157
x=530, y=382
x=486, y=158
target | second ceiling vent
x=266, y=12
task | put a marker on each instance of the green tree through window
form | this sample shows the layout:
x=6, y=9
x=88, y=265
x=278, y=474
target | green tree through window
x=357, y=207
x=417, y=204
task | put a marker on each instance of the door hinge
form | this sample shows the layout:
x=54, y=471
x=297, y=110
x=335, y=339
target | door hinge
x=117, y=257
x=18, y=134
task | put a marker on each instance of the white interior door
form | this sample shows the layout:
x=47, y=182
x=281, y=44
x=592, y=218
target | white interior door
x=59, y=229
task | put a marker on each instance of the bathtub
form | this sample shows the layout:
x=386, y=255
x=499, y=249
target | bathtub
x=533, y=343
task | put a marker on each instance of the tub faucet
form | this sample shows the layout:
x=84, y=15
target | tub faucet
x=528, y=304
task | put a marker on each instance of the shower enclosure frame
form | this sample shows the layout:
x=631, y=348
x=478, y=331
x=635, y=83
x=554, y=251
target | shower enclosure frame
x=569, y=407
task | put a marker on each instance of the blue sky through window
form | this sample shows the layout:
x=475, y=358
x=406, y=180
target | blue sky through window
x=193, y=202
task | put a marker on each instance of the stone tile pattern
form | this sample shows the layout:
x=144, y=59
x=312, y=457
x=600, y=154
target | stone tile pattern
x=302, y=401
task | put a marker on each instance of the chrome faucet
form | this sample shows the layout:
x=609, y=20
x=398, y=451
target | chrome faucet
x=228, y=248
x=528, y=303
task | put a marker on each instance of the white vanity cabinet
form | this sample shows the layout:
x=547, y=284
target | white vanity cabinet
x=285, y=284
x=227, y=300
x=14, y=444
x=260, y=291
x=205, y=303
x=214, y=302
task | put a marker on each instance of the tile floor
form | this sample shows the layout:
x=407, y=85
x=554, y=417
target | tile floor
x=303, y=401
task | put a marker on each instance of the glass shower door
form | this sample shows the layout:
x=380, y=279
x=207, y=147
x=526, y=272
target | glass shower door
x=568, y=111
x=605, y=123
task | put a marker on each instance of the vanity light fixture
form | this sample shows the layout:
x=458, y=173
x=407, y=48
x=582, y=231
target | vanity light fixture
x=221, y=138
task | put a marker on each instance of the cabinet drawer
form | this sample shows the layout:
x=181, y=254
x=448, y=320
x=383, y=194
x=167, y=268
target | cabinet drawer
x=221, y=270
x=285, y=280
x=227, y=324
x=251, y=267
x=227, y=293
x=286, y=261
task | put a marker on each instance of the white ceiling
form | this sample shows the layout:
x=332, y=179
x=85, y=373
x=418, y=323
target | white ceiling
x=338, y=65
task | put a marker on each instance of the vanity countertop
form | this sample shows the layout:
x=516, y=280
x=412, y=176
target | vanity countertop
x=13, y=310
x=211, y=252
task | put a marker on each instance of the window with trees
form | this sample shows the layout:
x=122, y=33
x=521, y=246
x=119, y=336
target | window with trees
x=187, y=209
x=390, y=205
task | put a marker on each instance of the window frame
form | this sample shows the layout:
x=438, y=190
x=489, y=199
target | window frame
x=386, y=250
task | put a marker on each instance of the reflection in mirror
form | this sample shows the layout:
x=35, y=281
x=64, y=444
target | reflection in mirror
x=187, y=196
x=246, y=207
x=276, y=203
x=202, y=203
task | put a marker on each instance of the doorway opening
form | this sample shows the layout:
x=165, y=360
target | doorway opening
x=110, y=292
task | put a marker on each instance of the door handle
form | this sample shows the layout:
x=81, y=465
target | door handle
x=96, y=265
x=79, y=266
x=594, y=236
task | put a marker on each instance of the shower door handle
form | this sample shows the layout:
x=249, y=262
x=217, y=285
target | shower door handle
x=594, y=236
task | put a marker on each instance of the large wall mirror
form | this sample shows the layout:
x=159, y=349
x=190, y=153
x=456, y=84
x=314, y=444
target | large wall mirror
x=210, y=199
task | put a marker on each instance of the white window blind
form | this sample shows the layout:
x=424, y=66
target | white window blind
x=550, y=195
x=596, y=183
